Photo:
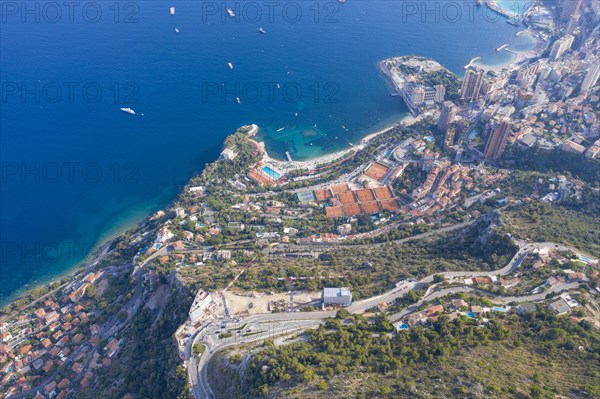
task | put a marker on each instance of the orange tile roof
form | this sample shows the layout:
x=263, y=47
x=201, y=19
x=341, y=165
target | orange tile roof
x=260, y=177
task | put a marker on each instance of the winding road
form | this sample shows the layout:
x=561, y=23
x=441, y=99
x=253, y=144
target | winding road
x=283, y=324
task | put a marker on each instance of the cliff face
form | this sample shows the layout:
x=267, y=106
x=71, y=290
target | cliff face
x=148, y=363
x=487, y=227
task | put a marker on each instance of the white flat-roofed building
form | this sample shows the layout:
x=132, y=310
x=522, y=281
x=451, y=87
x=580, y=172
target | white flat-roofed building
x=229, y=154
x=201, y=302
x=336, y=296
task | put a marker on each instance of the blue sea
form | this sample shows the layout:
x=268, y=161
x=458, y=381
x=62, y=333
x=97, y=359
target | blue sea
x=77, y=171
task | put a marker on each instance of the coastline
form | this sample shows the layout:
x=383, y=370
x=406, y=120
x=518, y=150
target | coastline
x=101, y=250
x=69, y=274
x=104, y=240
x=313, y=163
x=76, y=269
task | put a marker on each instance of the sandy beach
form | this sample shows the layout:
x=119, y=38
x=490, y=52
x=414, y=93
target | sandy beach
x=518, y=58
x=286, y=166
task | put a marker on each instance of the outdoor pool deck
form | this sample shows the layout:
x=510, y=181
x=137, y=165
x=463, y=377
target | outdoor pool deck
x=271, y=173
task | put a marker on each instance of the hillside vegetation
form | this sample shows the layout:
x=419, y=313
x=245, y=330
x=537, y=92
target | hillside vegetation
x=542, y=222
x=536, y=356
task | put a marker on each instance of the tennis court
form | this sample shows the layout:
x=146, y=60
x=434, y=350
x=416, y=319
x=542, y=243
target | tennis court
x=365, y=195
x=347, y=197
x=351, y=210
x=383, y=193
x=376, y=171
x=370, y=207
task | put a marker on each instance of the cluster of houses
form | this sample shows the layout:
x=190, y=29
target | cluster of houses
x=575, y=118
x=444, y=183
x=56, y=334
x=454, y=309
x=457, y=307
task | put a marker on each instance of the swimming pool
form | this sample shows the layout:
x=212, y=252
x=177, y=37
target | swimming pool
x=499, y=309
x=403, y=326
x=271, y=173
x=471, y=315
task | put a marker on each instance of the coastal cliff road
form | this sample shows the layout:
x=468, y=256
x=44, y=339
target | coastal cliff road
x=201, y=387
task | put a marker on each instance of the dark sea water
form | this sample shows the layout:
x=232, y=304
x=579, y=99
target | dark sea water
x=77, y=171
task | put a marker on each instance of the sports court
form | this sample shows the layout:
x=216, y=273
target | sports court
x=370, y=207
x=376, y=171
x=347, y=197
x=351, y=210
x=340, y=188
x=334, y=211
x=323, y=195
x=383, y=193
x=306, y=196
x=365, y=195
x=390, y=205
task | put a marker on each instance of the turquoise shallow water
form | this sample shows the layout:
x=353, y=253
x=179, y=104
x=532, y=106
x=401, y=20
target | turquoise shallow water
x=77, y=170
x=518, y=7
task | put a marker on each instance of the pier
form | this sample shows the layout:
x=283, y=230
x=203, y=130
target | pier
x=288, y=156
x=473, y=60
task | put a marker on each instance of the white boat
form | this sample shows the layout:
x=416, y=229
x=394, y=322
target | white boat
x=280, y=129
x=172, y=10
x=128, y=110
x=278, y=86
x=230, y=12
x=230, y=65
x=262, y=30
x=176, y=30
x=237, y=100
